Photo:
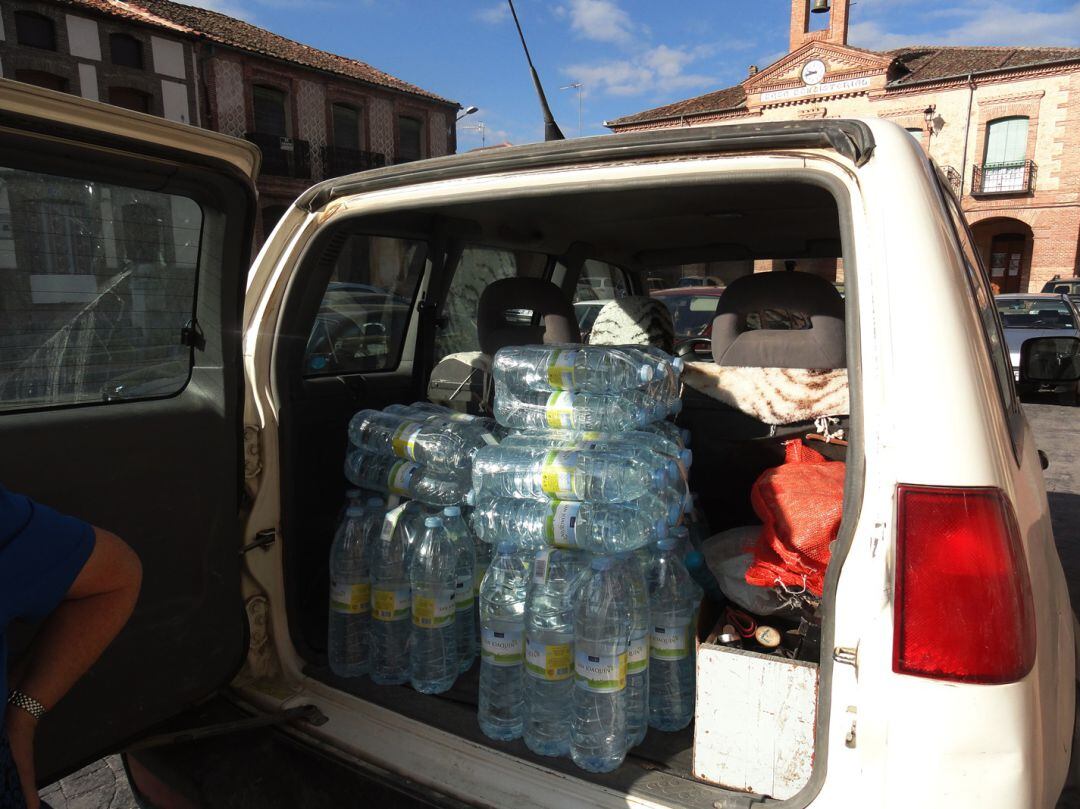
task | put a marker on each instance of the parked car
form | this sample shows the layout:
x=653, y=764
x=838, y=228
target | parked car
x=698, y=281
x=692, y=309
x=1066, y=286
x=1025, y=316
x=946, y=669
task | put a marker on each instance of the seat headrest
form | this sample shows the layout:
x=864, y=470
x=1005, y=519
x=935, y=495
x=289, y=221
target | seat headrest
x=780, y=320
x=495, y=330
x=634, y=320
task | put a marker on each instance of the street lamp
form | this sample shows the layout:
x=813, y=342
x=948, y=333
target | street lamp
x=577, y=85
x=467, y=111
x=928, y=116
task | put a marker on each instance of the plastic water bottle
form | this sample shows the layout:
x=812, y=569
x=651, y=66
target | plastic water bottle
x=350, y=593
x=570, y=474
x=594, y=527
x=411, y=523
x=464, y=597
x=637, y=660
x=671, y=686
x=601, y=632
x=431, y=410
x=549, y=650
x=567, y=410
x=433, y=657
x=669, y=430
x=636, y=443
x=587, y=369
x=391, y=599
x=485, y=551
x=502, y=660
x=385, y=473
x=438, y=443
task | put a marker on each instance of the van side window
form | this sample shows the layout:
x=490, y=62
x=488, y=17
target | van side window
x=97, y=280
x=365, y=310
x=984, y=300
x=478, y=267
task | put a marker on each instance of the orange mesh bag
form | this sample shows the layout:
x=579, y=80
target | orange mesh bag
x=800, y=504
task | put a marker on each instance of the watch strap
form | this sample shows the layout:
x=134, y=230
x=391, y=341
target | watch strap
x=26, y=703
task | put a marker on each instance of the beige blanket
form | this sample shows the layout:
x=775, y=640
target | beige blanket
x=773, y=395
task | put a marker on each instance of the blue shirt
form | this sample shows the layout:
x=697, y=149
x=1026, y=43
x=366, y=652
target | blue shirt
x=41, y=553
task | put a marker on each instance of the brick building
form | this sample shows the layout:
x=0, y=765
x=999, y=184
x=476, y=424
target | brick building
x=1003, y=124
x=313, y=114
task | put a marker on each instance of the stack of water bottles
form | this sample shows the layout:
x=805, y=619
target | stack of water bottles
x=582, y=498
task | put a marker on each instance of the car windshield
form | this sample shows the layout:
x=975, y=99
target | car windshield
x=1035, y=313
x=586, y=315
x=691, y=313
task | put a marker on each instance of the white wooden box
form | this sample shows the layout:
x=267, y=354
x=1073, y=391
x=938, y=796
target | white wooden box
x=754, y=718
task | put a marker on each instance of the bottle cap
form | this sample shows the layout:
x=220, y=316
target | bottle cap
x=354, y=511
x=602, y=563
x=505, y=547
x=694, y=560
x=432, y=522
x=661, y=529
x=374, y=502
x=674, y=512
x=673, y=471
x=667, y=543
x=677, y=365
x=470, y=497
x=645, y=374
x=452, y=511
x=659, y=478
x=687, y=457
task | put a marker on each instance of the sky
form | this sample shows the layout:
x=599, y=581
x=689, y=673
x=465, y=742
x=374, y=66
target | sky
x=629, y=55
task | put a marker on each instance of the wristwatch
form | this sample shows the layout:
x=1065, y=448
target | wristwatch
x=26, y=703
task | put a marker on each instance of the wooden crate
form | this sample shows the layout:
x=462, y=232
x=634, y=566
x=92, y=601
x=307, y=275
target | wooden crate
x=754, y=717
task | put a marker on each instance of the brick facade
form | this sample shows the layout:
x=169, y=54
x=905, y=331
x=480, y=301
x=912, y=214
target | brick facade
x=1041, y=85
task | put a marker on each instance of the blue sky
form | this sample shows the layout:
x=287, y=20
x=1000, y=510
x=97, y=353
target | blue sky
x=630, y=54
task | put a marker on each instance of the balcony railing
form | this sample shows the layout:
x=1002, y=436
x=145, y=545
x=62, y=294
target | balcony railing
x=339, y=160
x=956, y=182
x=282, y=157
x=991, y=179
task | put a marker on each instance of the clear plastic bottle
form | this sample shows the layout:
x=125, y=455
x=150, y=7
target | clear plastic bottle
x=385, y=473
x=391, y=599
x=549, y=650
x=464, y=597
x=586, y=369
x=637, y=659
x=671, y=685
x=439, y=444
x=679, y=436
x=502, y=660
x=411, y=523
x=427, y=411
x=433, y=658
x=485, y=552
x=594, y=527
x=350, y=593
x=601, y=633
x=572, y=474
x=567, y=410
x=635, y=442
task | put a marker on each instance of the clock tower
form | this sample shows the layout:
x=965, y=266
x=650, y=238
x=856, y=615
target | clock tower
x=836, y=30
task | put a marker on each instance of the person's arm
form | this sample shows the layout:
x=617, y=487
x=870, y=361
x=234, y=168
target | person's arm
x=93, y=612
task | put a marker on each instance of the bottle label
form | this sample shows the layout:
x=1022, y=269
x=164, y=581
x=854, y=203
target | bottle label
x=403, y=442
x=604, y=674
x=481, y=569
x=540, y=566
x=559, y=411
x=560, y=527
x=463, y=593
x=390, y=604
x=558, y=475
x=560, y=372
x=433, y=611
x=638, y=655
x=352, y=599
x=670, y=642
x=502, y=647
x=400, y=477
x=551, y=662
x=390, y=522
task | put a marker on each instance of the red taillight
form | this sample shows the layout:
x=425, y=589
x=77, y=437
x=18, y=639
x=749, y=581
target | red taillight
x=962, y=603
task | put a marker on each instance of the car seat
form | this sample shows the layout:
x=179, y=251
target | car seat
x=634, y=320
x=463, y=380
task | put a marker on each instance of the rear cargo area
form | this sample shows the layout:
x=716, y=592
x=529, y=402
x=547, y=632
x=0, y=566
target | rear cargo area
x=730, y=231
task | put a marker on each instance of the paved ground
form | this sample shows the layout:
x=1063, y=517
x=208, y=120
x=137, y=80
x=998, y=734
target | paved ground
x=103, y=784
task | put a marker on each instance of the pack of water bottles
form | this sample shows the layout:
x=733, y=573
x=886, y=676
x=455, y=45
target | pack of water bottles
x=420, y=451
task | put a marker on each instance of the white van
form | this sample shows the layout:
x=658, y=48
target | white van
x=154, y=385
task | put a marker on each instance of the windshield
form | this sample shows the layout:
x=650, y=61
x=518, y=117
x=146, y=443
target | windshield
x=1035, y=313
x=692, y=314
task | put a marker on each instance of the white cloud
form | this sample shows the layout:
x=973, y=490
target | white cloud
x=600, y=20
x=494, y=15
x=656, y=70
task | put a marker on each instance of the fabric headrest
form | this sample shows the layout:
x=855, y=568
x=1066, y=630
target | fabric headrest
x=495, y=331
x=634, y=320
x=780, y=320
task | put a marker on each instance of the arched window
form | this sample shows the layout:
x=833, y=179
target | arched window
x=129, y=98
x=35, y=30
x=1006, y=156
x=125, y=50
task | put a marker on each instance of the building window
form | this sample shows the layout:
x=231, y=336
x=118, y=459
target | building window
x=35, y=30
x=346, y=121
x=42, y=79
x=1004, y=166
x=125, y=50
x=410, y=139
x=129, y=98
x=268, y=111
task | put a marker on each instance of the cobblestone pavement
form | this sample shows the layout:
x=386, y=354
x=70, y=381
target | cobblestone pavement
x=103, y=785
